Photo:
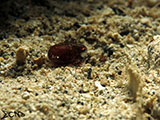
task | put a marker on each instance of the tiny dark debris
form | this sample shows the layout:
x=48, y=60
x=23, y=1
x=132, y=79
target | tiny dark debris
x=109, y=51
x=89, y=73
x=36, y=94
x=79, y=102
x=90, y=40
x=118, y=11
x=92, y=62
x=120, y=72
x=125, y=32
x=102, y=58
x=121, y=45
x=3, y=35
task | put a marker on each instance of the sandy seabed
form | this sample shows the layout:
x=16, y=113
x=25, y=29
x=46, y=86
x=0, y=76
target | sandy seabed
x=118, y=79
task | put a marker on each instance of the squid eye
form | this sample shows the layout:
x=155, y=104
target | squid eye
x=83, y=48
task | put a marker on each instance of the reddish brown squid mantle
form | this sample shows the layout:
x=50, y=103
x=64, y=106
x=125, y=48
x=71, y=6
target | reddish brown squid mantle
x=62, y=55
